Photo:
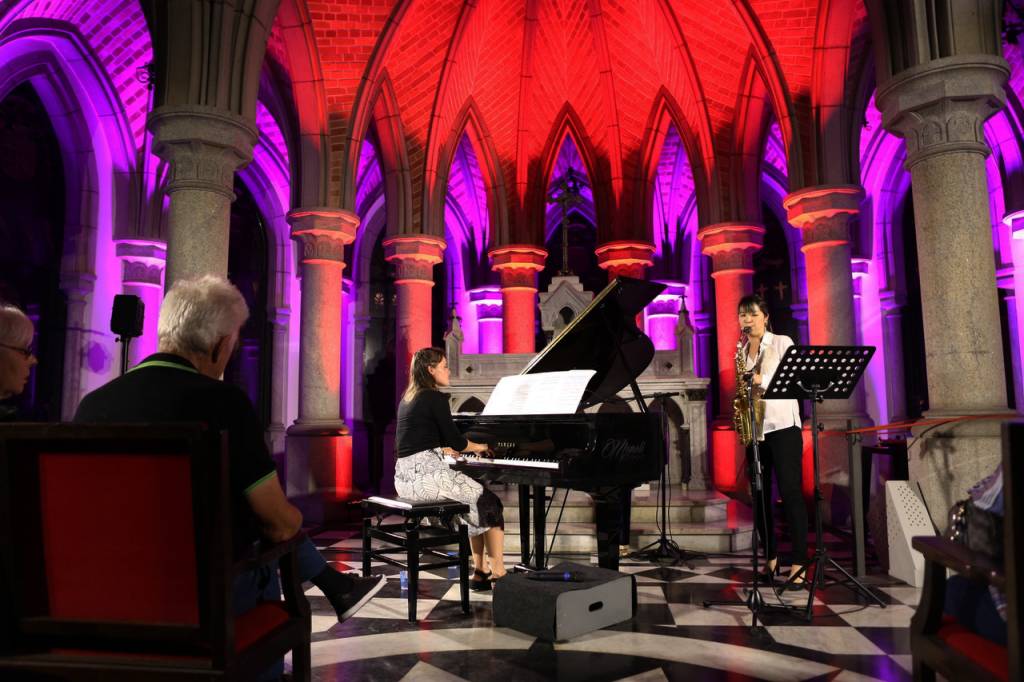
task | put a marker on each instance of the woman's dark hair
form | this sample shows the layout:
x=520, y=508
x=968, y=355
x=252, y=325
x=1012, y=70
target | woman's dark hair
x=420, y=378
x=750, y=302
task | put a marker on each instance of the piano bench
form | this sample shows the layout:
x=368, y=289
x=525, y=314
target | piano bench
x=413, y=539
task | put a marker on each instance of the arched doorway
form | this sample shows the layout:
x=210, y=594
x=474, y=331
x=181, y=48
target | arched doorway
x=32, y=239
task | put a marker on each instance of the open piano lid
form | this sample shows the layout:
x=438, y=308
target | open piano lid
x=593, y=338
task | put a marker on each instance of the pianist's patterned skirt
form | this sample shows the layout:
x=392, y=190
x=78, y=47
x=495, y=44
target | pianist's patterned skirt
x=424, y=476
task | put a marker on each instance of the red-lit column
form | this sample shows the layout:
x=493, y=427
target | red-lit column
x=823, y=214
x=414, y=257
x=319, y=448
x=518, y=265
x=626, y=259
x=731, y=247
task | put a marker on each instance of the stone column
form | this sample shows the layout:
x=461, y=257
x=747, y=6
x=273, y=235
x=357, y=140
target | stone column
x=142, y=274
x=414, y=257
x=939, y=108
x=204, y=147
x=663, y=315
x=319, y=448
x=276, y=429
x=626, y=259
x=731, y=247
x=78, y=288
x=892, y=338
x=488, y=306
x=518, y=265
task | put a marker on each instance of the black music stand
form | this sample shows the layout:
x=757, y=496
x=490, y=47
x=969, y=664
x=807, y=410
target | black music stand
x=754, y=601
x=816, y=373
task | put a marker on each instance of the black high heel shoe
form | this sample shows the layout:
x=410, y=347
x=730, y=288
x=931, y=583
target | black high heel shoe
x=796, y=585
x=480, y=581
x=766, y=576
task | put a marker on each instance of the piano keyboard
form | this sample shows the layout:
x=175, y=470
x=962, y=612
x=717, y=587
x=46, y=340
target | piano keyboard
x=476, y=460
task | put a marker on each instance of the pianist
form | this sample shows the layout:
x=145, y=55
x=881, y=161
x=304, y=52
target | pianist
x=426, y=433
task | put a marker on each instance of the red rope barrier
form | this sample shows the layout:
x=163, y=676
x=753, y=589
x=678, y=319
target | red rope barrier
x=910, y=423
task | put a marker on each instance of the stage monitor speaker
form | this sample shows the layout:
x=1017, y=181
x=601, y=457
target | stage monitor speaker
x=906, y=518
x=559, y=611
x=127, y=316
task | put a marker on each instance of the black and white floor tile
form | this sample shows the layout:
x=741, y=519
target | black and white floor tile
x=672, y=637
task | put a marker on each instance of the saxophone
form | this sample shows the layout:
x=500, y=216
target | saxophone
x=741, y=403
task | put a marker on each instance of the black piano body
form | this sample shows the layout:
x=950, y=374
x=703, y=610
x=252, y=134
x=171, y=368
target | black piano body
x=603, y=454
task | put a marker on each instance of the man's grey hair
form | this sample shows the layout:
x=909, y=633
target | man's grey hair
x=16, y=329
x=197, y=312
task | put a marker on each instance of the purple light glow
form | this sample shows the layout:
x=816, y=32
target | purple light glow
x=569, y=157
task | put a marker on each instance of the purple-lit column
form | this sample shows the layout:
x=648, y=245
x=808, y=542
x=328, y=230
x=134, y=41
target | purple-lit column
x=319, y=448
x=204, y=147
x=1015, y=221
x=939, y=108
x=662, y=315
x=892, y=337
x=142, y=274
x=731, y=247
x=487, y=303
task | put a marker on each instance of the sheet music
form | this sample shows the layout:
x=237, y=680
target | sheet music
x=541, y=393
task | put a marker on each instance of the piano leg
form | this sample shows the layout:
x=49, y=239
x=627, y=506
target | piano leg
x=608, y=517
x=524, y=524
x=539, y=521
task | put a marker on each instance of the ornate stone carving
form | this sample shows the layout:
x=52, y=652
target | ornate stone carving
x=941, y=106
x=136, y=272
x=414, y=256
x=563, y=292
x=823, y=213
x=625, y=258
x=323, y=233
x=731, y=245
x=518, y=265
x=204, y=146
x=143, y=262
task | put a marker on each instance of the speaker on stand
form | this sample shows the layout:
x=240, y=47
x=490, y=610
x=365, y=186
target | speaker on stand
x=126, y=321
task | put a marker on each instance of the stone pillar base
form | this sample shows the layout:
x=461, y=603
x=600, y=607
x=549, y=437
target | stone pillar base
x=947, y=460
x=316, y=456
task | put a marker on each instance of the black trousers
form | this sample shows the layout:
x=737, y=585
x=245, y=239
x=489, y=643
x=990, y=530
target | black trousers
x=781, y=457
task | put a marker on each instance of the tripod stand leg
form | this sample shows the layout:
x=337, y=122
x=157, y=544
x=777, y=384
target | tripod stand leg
x=857, y=585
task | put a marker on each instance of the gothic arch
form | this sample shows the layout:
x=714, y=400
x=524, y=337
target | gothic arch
x=98, y=152
x=568, y=124
x=754, y=113
x=471, y=123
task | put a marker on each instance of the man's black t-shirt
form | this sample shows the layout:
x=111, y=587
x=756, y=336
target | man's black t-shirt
x=426, y=422
x=167, y=388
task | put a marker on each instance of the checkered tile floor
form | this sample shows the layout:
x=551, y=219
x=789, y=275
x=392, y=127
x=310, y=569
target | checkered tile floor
x=672, y=636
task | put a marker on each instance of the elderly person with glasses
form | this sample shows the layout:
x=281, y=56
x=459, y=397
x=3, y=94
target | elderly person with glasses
x=16, y=356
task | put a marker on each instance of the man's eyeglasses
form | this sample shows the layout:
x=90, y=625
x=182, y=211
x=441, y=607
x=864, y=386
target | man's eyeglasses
x=27, y=352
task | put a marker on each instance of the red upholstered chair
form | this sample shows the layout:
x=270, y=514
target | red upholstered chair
x=937, y=642
x=116, y=561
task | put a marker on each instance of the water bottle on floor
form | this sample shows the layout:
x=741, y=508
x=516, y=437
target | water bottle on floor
x=403, y=581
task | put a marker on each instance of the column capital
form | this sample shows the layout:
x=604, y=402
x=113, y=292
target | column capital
x=323, y=233
x=518, y=264
x=625, y=257
x=941, y=106
x=414, y=256
x=203, y=145
x=822, y=213
x=731, y=246
x=143, y=261
x=1015, y=221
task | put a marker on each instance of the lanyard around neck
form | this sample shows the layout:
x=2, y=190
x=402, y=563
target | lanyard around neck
x=164, y=363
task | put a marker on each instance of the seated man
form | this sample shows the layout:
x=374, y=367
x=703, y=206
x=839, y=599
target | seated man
x=199, y=325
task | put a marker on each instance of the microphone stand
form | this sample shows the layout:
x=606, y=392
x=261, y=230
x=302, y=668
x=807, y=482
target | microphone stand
x=664, y=549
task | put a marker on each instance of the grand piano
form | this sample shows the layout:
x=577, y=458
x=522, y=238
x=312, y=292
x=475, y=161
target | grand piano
x=605, y=455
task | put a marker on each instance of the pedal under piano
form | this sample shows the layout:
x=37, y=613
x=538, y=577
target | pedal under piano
x=605, y=455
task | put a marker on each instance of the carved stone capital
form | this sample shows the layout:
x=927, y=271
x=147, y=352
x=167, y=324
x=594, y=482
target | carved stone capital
x=731, y=245
x=414, y=256
x=143, y=262
x=823, y=213
x=322, y=233
x=203, y=145
x=626, y=258
x=518, y=265
x=941, y=106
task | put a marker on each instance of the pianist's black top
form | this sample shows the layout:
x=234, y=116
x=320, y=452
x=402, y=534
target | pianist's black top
x=425, y=422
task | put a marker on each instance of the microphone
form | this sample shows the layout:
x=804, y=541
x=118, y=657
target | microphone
x=557, y=576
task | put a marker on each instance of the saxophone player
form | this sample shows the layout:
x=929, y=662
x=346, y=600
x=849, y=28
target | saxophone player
x=780, y=439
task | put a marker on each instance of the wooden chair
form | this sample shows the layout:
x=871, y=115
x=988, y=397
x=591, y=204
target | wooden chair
x=938, y=643
x=116, y=561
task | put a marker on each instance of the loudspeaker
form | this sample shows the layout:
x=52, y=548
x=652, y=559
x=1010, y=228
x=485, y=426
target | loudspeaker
x=127, y=316
x=906, y=517
x=558, y=611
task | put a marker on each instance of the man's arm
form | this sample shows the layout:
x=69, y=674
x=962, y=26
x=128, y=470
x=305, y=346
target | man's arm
x=279, y=518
